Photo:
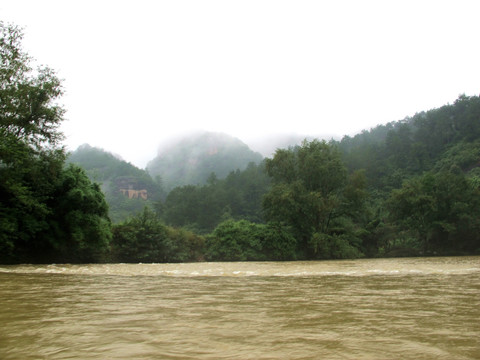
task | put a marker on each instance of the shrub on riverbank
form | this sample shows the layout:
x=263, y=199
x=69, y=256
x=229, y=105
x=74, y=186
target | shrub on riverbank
x=144, y=238
x=246, y=241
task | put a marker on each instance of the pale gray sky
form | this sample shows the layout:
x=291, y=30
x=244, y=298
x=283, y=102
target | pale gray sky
x=138, y=72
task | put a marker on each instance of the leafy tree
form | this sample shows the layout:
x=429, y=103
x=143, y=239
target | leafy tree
x=463, y=154
x=244, y=191
x=183, y=245
x=234, y=241
x=278, y=242
x=183, y=207
x=28, y=121
x=66, y=222
x=246, y=241
x=334, y=246
x=47, y=213
x=308, y=192
x=144, y=238
x=441, y=209
x=28, y=113
x=140, y=239
x=25, y=187
x=202, y=208
x=79, y=226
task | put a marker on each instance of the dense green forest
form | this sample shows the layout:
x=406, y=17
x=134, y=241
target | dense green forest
x=127, y=188
x=407, y=188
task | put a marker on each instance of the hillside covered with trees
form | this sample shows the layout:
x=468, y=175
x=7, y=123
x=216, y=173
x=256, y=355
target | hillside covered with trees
x=127, y=188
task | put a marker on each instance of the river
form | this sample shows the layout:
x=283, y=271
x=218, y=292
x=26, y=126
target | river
x=411, y=308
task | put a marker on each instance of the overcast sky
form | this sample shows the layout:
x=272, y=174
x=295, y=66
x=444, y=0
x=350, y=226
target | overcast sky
x=139, y=72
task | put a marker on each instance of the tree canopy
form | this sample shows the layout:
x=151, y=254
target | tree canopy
x=310, y=193
x=47, y=212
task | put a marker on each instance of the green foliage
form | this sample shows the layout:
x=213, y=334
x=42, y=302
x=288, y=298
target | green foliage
x=311, y=193
x=411, y=155
x=234, y=241
x=441, y=210
x=140, y=239
x=193, y=207
x=183, y=245
x=144, y=238
x=246, y=241
x=244, y=191
x=115, y=174
x=202, y=208
x=28, y=113
x=429, y=140
x=47, y=213
x=334, y=246
x=26, y=185
x=464, y=154
x=80, y=230
x=278, y=242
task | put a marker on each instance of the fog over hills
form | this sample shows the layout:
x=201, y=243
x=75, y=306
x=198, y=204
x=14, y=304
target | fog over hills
x=193, y=158
x=266, y=145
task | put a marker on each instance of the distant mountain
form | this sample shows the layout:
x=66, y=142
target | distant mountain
x=127, y=188
x=192, y=159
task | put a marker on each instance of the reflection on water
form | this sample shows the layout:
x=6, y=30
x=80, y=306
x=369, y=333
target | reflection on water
x=363, y=309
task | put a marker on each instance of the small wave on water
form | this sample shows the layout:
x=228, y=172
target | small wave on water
x=362, y=267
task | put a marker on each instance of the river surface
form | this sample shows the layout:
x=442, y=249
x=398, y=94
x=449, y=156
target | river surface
x=416, y=308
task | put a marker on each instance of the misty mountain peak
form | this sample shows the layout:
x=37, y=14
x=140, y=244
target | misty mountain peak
x=193, y=158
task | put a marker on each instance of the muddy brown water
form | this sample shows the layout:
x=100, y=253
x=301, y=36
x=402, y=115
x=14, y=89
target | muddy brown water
x=415, y=308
